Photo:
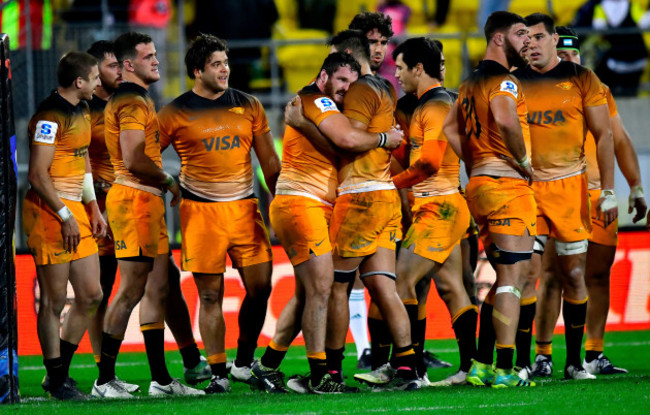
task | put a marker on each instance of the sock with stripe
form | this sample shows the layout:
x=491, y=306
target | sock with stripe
x=544, y=348
x=525, y=331
x=404, y=361
x=191, y=355
x=505, y=353
x=154, y=344
x=464, y=325
x=217, y=364
x=575, y=315
x=273, y=355
x=335, y=363
x=317, y=366
x=593, y=349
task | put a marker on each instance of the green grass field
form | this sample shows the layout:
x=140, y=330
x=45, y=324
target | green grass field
x=629, y=393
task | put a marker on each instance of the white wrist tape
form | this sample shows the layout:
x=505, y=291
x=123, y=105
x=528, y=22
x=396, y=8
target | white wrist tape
x=88, y=190
x=64, y=213
x=524, y=163
x=609, y=201
x=636, y=192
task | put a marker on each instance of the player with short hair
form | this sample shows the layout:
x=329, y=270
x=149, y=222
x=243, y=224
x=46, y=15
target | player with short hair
x=487, y=125
x=603, y=241
x=177, y=315
x=136, y=210
x=213, y=129
x=58, y=226
x=563, y=99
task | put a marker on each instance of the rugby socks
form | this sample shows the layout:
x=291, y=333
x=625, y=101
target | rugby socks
x=154, y=344
x=404, y=362
x=505, y=353
x=524, y=337
x=67, y=351
x=55, y=371
x=335, y=363
x=411, y=305
x=464, y=325
x=110, y=349
x=380, y=337
x=358, y=320
x=317, y=366
x=486, y=336
x=418, y=332
x=251, y=320
x=190, y=354
x=575, y=315
x=593, y=349
x=217, y=364
x=544, y=348
x=273, y=355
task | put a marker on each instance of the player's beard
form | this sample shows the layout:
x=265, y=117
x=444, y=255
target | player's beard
x=513, y=56
x=330, y=92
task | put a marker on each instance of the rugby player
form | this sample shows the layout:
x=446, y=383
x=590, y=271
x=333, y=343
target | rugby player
x=135, y=210
x=487, y=125
x=58, y=226
x=603, y=241
x=563, y=98
x=177, y=313
x=378, y=30
x=300, y=216
x=213, y=128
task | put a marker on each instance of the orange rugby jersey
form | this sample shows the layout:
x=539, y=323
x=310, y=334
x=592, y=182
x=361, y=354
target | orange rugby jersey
x=213, y=139
x=489, y=80
x=305, y=170
x=131, y=108
x=403, y=114
x=100, y=160
x=370, y=100
x=556, y=115
x=426, y=127
x=593, y=172
x=65, y=126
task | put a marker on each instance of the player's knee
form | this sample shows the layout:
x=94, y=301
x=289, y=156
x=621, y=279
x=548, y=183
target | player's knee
x=90, y=299
x=259, y=291
x=53, y=302
x=500, y=256
x=210, y=298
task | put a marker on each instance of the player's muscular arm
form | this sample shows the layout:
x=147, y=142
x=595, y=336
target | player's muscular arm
x=295, y=118
x=132, y=143
x=454, y=130
x=628, y=162
x=40, y=160
x=97, y=221
x=268, y=158
x=504, y=111
x=600, y=126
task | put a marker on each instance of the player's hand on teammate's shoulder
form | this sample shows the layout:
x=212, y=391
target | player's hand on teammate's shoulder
x=293, y=115
x=394, y=137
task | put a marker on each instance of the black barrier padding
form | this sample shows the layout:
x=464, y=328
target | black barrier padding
x=8, y=320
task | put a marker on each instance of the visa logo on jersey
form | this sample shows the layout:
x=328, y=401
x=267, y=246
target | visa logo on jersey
x=221, y=143
x=546, y=117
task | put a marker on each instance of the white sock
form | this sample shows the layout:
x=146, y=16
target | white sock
x=359, y=320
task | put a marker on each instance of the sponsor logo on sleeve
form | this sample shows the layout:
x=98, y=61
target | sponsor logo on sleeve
x=509, y=86
x=325, y=104
x=46, y=132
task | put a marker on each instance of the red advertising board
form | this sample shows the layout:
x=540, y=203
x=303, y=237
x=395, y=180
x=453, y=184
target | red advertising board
x=629, y=309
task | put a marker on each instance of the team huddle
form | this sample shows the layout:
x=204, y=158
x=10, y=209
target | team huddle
x=368, y=190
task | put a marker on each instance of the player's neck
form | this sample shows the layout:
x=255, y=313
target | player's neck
x=207, y=93
x=102, y=93
x=552, y=63
x=496, y=54
x=69, y=94
x=425, y=84
x=365, y=68
x=131, y=77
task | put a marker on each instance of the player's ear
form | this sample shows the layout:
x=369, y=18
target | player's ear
x=498, y=38
x=556, y=38
x=322, y=76
x=197, y=73
x=127, y=65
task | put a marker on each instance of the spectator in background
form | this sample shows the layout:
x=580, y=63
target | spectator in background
x=236, y=20
x=623, y=63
